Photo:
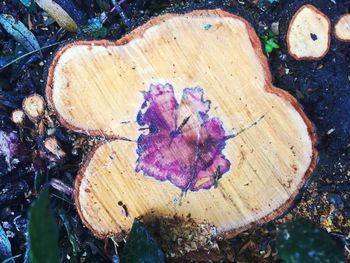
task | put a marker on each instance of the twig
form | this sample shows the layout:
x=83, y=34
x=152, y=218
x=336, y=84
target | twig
x=30, y=53
x=122, y=15
x=112, y=10
x=61, y=187
x=63, y=199
x=117, y=7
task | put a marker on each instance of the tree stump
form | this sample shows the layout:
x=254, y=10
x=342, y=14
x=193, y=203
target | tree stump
x=194, y=128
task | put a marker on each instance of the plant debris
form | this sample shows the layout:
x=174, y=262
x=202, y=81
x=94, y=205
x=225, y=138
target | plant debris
x=301, y=241
x=19, y=31
x=58, y=14
x=141, y=246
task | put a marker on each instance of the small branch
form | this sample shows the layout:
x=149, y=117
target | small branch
x=61, y=187
x=122, y=15
x=117, y=7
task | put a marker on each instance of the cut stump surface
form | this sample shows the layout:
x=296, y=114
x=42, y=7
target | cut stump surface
x=233, y=162
x=308, y=36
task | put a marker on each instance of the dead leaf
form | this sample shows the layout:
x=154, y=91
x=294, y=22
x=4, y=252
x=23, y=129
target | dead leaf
x=20, y=32
x=58, y=14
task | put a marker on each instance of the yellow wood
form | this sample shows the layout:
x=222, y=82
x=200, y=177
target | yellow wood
x=96, y=87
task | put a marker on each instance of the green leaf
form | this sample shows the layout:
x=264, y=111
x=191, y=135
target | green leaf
x=95, y=28
x=275, y=45
x=301, y=241
x=268, y=48
x=26, y=3
x=43, y=232
x=19, y=31
x=268, y=39
x=73, y=239
x=264, y=38
x=141, y=246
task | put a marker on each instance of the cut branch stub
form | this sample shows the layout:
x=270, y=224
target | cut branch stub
x=197, y=129
x=18, y=116
x=34, y=106
x=342, y=28
x=308, y=34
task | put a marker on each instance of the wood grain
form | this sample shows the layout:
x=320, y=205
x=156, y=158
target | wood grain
x=96, y=88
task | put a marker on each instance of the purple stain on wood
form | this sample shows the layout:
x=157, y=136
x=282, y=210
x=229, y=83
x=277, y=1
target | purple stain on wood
x=183, y=145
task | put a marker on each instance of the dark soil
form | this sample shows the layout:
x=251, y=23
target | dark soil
x=322, y=88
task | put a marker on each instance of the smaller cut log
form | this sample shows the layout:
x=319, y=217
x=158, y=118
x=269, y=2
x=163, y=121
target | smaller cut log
x=34, y=106
x=18, y=116
x=308, y=36
x=342, y=28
